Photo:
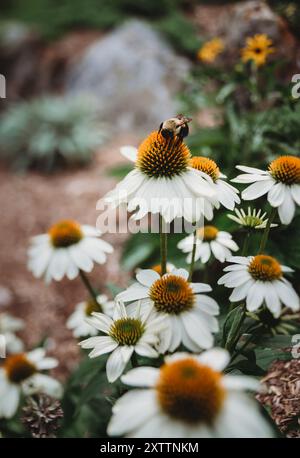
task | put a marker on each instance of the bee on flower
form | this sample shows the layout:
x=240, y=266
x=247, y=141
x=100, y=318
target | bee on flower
x=209, y=240
x=164, y=182
x=190, y=315
x=259, y=279
x=211, y=50
x=21, y=373
x=188, y=396
x=65, y=249
x=77, y=321
x=281, y=183
x=257, y=49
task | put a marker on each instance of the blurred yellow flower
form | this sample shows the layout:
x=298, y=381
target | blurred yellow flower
x=210, y=50
x=257, y=49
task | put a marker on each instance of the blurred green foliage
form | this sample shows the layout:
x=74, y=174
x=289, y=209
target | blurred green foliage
x=49, y=132
x=52, y=18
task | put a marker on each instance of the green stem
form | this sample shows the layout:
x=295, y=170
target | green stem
x=246, y=244
x=193, y=256
x=246, y=343
x=88, y=285
x=163, y=246
x=234, y=333
x=266, y=232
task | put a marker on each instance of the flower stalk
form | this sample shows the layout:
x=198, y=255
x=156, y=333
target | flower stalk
x=266, y=232
x=163, y=245
x=193, y=256
x=88, y=285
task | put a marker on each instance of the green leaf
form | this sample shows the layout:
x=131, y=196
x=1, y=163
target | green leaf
x=266, y=356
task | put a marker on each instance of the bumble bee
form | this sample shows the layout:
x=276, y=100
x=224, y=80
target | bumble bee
x=177, y=126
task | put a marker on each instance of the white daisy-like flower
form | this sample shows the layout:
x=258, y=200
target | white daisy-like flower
x=67, y=248
x=226, y=194
x=281, y=182
x=163, y=182
x=126, y=332
x=259, y=279
x=21, y=373
x=77, y=321
x=187, y=397
x=9, y=325
x=190, y=316
x=209, y=240
x=253, y=219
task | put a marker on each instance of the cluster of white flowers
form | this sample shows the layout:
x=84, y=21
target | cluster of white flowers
x=161, y=312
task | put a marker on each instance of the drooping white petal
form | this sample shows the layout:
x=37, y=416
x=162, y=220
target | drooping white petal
x=141, y=377
x=216, y=358
x=147, y=277
x=286, y=210
x=131, y=411
x=130, y=152
x=240, y=292
x=258, y=189
x=115, y=365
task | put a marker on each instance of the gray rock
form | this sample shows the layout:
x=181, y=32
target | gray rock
x=133, y=74
x=249, y=18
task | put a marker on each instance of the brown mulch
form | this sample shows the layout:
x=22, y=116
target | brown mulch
x=29, y=204
x=282, y=396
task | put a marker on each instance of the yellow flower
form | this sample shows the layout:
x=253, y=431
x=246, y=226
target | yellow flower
x=257, y=49
x=210, y=50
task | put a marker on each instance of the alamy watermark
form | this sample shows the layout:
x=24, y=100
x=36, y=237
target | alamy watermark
x=2, y=87
x=2, y=346
x=145, y=217
x=296, y=88
x=296, y=346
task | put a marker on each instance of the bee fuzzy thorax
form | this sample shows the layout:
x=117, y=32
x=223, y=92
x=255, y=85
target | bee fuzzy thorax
x=176, y=127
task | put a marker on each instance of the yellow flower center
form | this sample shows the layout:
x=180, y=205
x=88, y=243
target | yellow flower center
x=127, y=331
x=265, y=268
x=18, y=368
x=207, y=233
x=92, y=306
x=65, y=233
x=189, y=391
x=286, y=169
x=172, y=294
x=158, y=157
x=206, y=165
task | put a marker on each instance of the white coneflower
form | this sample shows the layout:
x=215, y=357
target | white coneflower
x=190, y=316
x=77, y=321
x=226, y=194
x=125, y=333
x=281, y=181
x=188, y=397
x=21, y=373
x=164, y=182
x=9, y=325
x=253, y=219
x=67, y=248
x=259, y=279
x=209, y=240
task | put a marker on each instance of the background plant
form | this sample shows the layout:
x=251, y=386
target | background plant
x=49, y=132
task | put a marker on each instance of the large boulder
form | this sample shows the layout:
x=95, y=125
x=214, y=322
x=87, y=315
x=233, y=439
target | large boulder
x=133, y=74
